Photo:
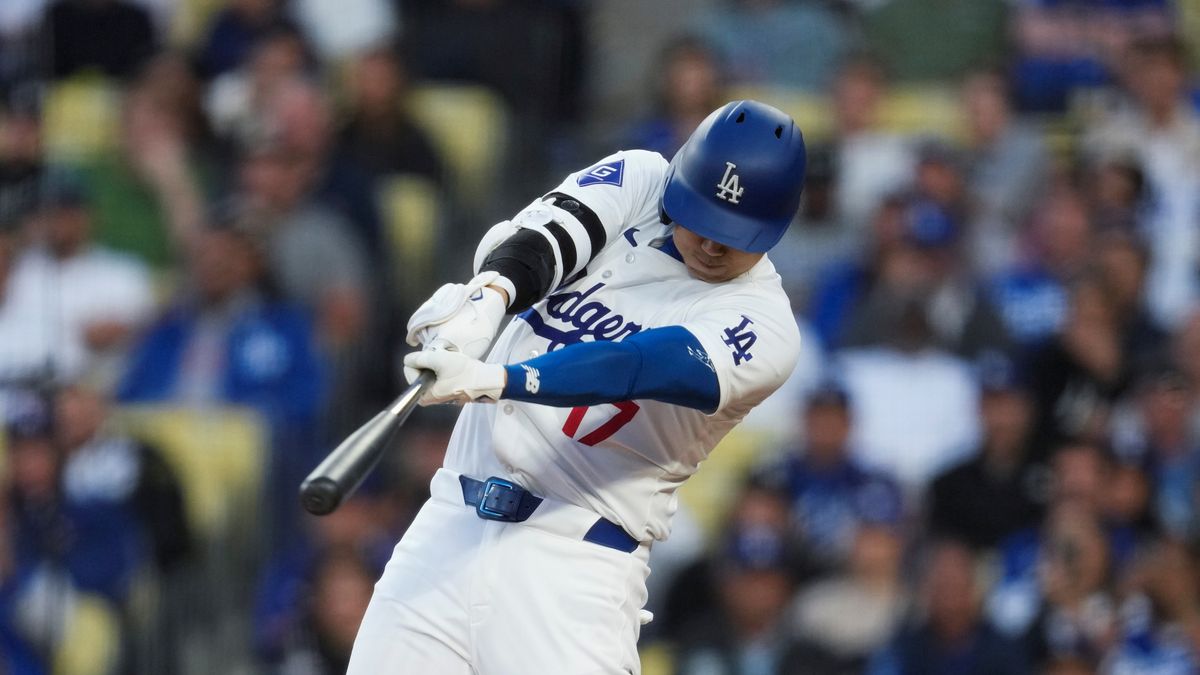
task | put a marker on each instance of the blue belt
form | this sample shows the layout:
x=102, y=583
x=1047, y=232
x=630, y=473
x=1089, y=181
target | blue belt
x=503, y=500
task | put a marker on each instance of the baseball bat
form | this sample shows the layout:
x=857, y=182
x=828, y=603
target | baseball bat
x=340, y=474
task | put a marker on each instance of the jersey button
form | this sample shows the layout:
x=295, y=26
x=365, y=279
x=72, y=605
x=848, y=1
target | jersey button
x=629, y=257
x=607, y=274
x=508, y=409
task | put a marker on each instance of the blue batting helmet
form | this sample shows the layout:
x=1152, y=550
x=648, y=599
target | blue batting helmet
x=737, y=179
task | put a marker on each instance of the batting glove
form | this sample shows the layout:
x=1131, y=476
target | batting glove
x=460, y=378
x=459, y=317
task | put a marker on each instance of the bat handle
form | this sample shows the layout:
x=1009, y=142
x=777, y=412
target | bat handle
x=340, y=474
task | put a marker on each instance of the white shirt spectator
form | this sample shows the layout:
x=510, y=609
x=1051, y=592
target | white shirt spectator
x=341, y=29
x=870, y=166
x=1170, y=156
x=914, y=414
x=848, y=617
x=50, y=303
x=18, y=16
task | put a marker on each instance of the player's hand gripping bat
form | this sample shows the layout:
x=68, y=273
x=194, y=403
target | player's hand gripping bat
x=340, y=474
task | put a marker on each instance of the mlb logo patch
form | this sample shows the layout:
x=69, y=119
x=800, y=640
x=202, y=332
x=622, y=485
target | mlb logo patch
x=609, y=173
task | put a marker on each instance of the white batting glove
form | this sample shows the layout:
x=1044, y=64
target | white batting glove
x=459, y=378
x=459, y=317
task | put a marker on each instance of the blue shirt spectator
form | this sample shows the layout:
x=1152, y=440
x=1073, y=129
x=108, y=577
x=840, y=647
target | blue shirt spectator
x=1064, y=45
x=98, y=545
x=230, y=342
x=829, y=493
x=1032, y=295
x=260, y=356
x=17, y=655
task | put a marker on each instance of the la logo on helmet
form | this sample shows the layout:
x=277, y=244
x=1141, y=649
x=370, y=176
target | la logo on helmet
x=729, y=189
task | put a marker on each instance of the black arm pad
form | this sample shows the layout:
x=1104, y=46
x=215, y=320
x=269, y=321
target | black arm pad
x=527, y=260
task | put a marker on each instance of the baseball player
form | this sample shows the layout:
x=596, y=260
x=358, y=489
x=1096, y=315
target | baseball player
x=648, y=323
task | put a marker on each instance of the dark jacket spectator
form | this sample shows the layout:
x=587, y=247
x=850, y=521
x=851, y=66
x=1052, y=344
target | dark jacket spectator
x=995, y=493
x=1078, y=376
x=112, y=36
x=745, y=632
x=233, y=32
x=379, y=135
x=954, y=639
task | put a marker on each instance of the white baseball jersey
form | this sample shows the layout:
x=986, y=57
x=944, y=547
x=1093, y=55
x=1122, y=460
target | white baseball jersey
x=624, y=461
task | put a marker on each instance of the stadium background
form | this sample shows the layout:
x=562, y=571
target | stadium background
x=215, y=216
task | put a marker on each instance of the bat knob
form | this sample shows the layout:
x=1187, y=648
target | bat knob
x=320, y=496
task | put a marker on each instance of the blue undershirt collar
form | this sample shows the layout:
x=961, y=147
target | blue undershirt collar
x=668, y=246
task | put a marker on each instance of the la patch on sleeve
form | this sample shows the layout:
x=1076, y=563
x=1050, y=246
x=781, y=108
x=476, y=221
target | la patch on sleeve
x=741, y=338
x=608, y=173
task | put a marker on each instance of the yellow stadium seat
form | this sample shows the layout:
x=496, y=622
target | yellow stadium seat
x=469, y=126
x=81, y=118
x=812, y=112
x=190, y=21
x=711, y=492
x=218, y=454
x=1061, y=136
x=91, y=640
x=1189, y=28
x=412, y=210
x=922, y=110
x=909, y=110
x=657, y=659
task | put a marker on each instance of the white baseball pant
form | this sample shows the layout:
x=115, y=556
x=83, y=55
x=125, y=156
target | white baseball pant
x=467, y=596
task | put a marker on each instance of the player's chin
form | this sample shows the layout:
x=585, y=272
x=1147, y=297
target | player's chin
x=711, y=274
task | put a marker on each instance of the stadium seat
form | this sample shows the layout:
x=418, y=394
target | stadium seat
x=469, y=126
x=657, y=659
x=190, y=21
x=912, y=110
x=711, y=492
x=91, y=643
x=412, y=211
x=218, y=454
x=1189, y=28
x=811, y=111
x=922, y=110
x=81, y=118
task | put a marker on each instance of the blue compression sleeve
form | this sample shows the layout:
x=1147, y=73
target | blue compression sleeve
x=661, y=364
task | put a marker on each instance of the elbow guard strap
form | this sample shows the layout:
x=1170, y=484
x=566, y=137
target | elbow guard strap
x=527, y=260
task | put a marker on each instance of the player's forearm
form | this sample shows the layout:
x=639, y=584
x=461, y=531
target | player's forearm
x=661, y=364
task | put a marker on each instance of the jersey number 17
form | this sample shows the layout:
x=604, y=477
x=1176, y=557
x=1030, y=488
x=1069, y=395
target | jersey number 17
x=625, y=412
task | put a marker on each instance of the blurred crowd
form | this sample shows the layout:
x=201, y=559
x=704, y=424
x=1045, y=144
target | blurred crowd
x=216, y=215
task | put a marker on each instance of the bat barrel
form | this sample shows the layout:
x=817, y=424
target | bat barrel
x=340, y=474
